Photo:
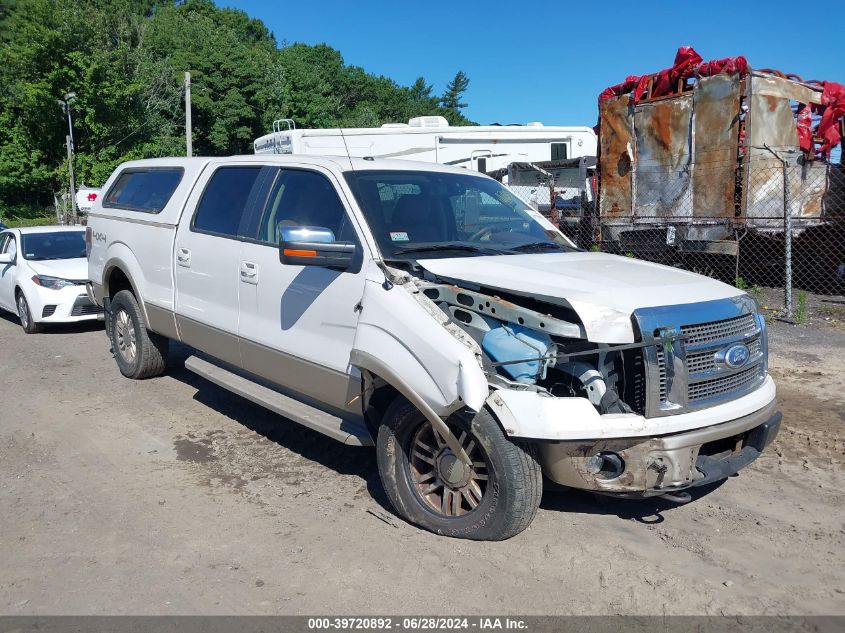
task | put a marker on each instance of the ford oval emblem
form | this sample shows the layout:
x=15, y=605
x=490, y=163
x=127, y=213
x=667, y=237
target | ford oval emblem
x=736, y=356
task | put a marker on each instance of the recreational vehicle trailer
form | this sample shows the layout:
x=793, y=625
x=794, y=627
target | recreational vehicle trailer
x=431, y=139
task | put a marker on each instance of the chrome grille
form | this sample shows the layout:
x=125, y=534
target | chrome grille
x=718, y=330
x=714, y=387
x=661, y=365
x=683, y=372
x=699, y=362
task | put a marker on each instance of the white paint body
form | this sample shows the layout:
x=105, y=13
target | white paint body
x=16, y=276
x=461, y=146
x=603, y=289
x=356, y=312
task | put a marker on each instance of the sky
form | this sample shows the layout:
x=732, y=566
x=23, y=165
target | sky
x=531, y=61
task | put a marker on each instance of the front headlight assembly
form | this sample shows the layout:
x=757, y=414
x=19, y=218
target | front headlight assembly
x=53, y=283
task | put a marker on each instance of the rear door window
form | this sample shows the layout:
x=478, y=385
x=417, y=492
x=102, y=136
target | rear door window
x=226, y=198
x=145, y=190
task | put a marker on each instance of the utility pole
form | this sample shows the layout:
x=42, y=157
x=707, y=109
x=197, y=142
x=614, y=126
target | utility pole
x=70, y=97
x=189, y=141
x=69, y=142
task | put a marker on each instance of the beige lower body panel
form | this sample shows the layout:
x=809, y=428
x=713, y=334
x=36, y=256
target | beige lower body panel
x=333, y=388
x=212, y=341
x=162, y=321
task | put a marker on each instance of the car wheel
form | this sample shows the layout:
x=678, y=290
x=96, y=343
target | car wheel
x=25, y=315
x=493, y=499
x=139, y=353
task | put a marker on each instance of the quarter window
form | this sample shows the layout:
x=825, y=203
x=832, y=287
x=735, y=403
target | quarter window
x=224, y=201
x=145, y=190
x=8, y=245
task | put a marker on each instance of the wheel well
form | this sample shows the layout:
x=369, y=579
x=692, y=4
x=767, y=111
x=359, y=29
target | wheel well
x=378, y=395
x=117, y=281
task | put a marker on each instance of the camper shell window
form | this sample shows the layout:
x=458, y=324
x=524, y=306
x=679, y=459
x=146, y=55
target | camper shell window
x=146, y=190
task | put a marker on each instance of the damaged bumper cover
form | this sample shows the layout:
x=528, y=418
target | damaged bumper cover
x=652, y=456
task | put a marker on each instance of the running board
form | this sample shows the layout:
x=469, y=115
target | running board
x=343, y=430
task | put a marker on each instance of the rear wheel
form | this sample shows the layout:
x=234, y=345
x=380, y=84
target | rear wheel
x=27, y=321
x=493, y=498
x=139, y=353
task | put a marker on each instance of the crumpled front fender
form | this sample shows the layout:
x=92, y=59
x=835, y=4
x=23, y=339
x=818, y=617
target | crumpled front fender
x=401, y=334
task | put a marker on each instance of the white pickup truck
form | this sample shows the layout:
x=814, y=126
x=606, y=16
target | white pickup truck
x=427, y=310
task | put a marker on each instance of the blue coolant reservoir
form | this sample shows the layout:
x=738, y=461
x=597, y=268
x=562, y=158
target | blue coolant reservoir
x=514, y=342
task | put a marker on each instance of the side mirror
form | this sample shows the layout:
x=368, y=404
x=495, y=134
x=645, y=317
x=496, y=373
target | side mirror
x=6, y=258
x=314, y=246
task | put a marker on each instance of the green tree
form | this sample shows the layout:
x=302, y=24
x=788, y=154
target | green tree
x=452, y=99
x=125, y=61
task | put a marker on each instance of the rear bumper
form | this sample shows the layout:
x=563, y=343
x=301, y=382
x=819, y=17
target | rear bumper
x=658, y=465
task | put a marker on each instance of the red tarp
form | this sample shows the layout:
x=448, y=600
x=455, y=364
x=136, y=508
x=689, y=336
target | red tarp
x=687, y=64
x=832, y=110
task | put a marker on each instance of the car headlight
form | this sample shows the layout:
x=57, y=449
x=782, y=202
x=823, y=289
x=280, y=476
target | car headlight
x=53, y=283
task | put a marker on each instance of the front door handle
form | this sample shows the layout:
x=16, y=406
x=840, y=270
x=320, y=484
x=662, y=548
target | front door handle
x=249, y=273
x=183, y=257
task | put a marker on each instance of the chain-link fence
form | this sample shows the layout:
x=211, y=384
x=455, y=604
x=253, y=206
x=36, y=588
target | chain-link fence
x=778, y=230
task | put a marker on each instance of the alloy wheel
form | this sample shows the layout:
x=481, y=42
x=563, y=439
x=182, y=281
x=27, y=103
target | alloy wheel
x=442, y=481
x=23, y=311
x=125, y=332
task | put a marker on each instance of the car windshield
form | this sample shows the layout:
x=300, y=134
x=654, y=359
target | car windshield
x=419, y=214
x=53, y=245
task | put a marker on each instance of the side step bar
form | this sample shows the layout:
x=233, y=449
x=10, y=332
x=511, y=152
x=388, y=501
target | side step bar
x=343, y=430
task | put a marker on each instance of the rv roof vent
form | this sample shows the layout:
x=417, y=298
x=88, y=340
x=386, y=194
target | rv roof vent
x=394, y=125
x=534, y=124
x=428, y=121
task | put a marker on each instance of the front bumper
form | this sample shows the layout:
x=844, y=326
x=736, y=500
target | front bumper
x=68, y=305
x=659, y=465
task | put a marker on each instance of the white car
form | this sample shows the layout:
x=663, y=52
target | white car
x=42, y=276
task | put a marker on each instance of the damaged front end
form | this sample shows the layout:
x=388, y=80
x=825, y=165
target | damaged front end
x=653, y=416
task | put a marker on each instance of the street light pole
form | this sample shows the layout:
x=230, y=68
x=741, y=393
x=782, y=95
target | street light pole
x=69, y=97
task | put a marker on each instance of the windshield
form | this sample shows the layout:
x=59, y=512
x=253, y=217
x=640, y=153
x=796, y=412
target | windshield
x=53, y=245
x=418, y=214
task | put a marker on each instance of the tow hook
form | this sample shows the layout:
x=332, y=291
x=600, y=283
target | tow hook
x=679, y=496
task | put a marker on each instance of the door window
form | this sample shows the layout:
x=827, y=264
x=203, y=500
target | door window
x=224, y=202
x=303, y=198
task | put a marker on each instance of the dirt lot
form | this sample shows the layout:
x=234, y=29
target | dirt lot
x=173, y=496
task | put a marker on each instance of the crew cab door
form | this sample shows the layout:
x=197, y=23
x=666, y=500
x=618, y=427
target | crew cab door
x=207, y=256
x=297, y=323
x=8, y=245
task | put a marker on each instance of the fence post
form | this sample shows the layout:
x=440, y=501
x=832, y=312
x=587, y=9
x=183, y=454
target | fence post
x=787, y=240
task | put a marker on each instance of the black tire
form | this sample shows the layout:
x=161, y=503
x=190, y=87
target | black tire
x=139, y=353
x=25, y=315
x=511, y=490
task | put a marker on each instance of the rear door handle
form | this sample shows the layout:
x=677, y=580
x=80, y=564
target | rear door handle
x=249, y=273
x=183, y=257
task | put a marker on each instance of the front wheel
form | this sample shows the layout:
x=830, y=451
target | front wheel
x=139, y=353
x=25, y=315
x=494, y=498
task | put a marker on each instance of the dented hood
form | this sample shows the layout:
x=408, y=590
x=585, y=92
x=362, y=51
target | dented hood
x=604, y=290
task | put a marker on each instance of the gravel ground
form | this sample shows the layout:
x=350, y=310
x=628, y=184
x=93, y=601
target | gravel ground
x=172, y=496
